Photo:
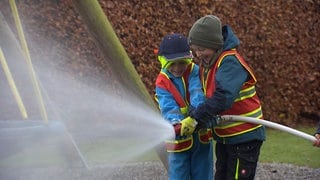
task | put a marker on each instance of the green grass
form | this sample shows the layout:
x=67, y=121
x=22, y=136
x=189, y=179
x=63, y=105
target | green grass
x=117, y=151
x=282, y=147
x=105, y=150
x=33, y=156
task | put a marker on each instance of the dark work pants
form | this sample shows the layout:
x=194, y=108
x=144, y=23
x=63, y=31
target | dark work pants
x=237, y=161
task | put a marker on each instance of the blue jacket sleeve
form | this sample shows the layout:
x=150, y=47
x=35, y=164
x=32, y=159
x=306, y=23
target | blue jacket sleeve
x=169, y=108
x=195, y=88
x=229, y=79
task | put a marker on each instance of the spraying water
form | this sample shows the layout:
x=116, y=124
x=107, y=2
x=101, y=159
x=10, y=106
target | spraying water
x=102, y=124
x=120, y=126
x=126, y=124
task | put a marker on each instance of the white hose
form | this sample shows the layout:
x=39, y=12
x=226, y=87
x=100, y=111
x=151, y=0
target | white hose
x=269, y=124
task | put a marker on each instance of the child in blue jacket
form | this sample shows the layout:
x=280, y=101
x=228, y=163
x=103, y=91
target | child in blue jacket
x=190, y=154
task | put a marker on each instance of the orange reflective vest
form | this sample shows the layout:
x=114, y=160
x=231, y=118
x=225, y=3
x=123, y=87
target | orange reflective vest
x=204, y=135
x=247, y=104
x=164, y=82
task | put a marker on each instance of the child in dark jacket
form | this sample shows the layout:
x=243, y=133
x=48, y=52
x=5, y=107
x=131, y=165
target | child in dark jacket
x=229, y=85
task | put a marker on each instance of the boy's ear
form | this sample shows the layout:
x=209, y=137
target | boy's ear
x=156, y=51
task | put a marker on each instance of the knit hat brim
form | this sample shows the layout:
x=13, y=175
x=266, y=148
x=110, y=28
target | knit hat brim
x=205, y=43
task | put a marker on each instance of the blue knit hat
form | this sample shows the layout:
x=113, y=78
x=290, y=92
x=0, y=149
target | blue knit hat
x=175, y=46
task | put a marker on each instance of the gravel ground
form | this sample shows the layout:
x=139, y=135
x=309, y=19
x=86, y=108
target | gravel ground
x=146, y=171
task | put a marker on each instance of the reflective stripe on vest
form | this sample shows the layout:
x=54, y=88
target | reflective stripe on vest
x=179, y=145
x=235, y=128
x=247, y=103
x=204, y=135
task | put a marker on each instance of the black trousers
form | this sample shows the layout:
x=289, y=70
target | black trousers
x=237, y=161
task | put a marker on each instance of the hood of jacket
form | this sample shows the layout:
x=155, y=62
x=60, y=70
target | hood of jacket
x=230, y=39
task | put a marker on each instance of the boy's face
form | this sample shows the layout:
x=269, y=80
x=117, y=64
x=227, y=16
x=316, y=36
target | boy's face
x=203, y=55
x=178, y=67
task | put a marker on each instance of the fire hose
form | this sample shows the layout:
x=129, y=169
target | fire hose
x=268, y=124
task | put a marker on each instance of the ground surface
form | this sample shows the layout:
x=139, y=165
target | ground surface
x=148, y=171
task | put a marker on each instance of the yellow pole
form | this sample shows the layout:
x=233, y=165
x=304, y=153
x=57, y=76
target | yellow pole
x=28, y=58
x=12, y=85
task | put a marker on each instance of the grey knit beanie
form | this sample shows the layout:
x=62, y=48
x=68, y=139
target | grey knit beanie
x=207, y=32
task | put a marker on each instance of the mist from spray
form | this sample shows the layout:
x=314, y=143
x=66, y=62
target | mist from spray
x=89, y=124
x=108, y=125
x=100, y=124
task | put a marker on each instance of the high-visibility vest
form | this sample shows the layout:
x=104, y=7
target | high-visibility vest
x=164, y=82
x=247, y=104
x=204, y=135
